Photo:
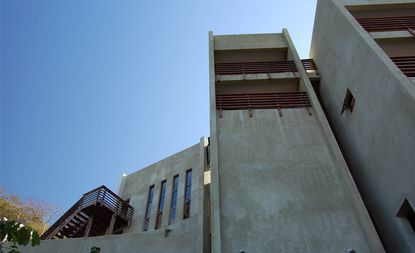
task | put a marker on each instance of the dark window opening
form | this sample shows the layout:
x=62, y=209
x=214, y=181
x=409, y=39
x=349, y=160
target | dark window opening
x=161, y=204
x=187, y=194
x=173, y=205
x=348, y=103
x=148, y=209
x=407, y=212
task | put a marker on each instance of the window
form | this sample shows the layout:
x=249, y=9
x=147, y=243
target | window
x=161, y=204
x=348, y=103
x=148, y=209
x=173, y=205
x=407, y=212
x=187, y=194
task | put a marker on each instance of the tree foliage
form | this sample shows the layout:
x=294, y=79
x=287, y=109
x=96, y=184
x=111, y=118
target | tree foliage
x=12, y=233
x=31, y=213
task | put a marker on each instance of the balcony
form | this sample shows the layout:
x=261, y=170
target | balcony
x=98, y=212
x=253, y=70
x=406, y=64
x=382, y=24
x=253, y=101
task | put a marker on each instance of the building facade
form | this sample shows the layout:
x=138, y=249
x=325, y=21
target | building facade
x=368, y=48
x=271, y=177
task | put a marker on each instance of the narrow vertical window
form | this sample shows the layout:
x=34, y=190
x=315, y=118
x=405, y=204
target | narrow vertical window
x=187, y=194
x=173, y=205
x=148, y=209
x=161, y=204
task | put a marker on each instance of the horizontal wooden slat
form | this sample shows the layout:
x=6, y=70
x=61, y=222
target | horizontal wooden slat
x=235, y=68
x=387, y=23
x=262, y=101
x=406, y=64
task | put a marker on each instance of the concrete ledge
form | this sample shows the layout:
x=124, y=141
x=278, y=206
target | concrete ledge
x=391, y=35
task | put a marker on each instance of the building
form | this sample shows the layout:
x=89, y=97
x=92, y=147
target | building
x=367, y=51
x=271, y=177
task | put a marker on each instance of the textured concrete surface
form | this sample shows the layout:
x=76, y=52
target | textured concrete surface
x=283, y=185
x=249, y=41
x=142, y=242
x=378, y=138
x=280, y=189
x=137, y=187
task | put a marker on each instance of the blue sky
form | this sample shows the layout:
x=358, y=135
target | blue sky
x=93, y=89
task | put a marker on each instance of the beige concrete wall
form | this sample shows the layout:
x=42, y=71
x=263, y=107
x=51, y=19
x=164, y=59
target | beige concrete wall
x=283, y=185
x=378, y=137
x=281, y=190
x=182, y=239
x=267, y=54
x=249, y=41
x=137, y=187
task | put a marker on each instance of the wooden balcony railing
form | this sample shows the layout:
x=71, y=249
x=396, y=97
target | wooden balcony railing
x=310, y=65
x=262, y=101
x=380, y=24
x=406, y=64
x=241, y=68
x=105, y=196
x=75, y=220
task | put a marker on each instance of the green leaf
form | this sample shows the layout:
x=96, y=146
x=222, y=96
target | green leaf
x=23, y=236
x=35, y=238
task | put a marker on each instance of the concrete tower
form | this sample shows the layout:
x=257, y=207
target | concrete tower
x=365, y=52
x=279, y=181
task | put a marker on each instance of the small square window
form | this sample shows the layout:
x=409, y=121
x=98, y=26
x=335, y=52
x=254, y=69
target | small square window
x=407, y=212
x=348, y=103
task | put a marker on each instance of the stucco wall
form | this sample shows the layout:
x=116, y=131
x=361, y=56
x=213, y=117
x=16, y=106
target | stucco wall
x=179, y=240
x=280, y=189
x=137, y=187
x=378, y=138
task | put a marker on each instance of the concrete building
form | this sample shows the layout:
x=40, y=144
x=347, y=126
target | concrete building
x=368, y=48
x=271, y=177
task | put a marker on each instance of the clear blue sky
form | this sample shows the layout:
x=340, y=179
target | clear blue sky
x=92, y=89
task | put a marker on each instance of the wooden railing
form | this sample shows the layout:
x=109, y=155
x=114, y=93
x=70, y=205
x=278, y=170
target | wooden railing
x=406, y=64
x=262, y=101
x=310, y=65
x=105, y=196
x=379, y=24
x=101, y=195
x=240, y=68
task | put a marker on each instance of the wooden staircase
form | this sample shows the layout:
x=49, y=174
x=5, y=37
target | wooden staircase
x=98, y=212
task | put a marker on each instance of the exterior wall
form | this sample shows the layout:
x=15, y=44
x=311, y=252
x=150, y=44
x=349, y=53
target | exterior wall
x=178, y=240
x=378, y=138
x=137, y=189
x=184, y=235
x=280, y=184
